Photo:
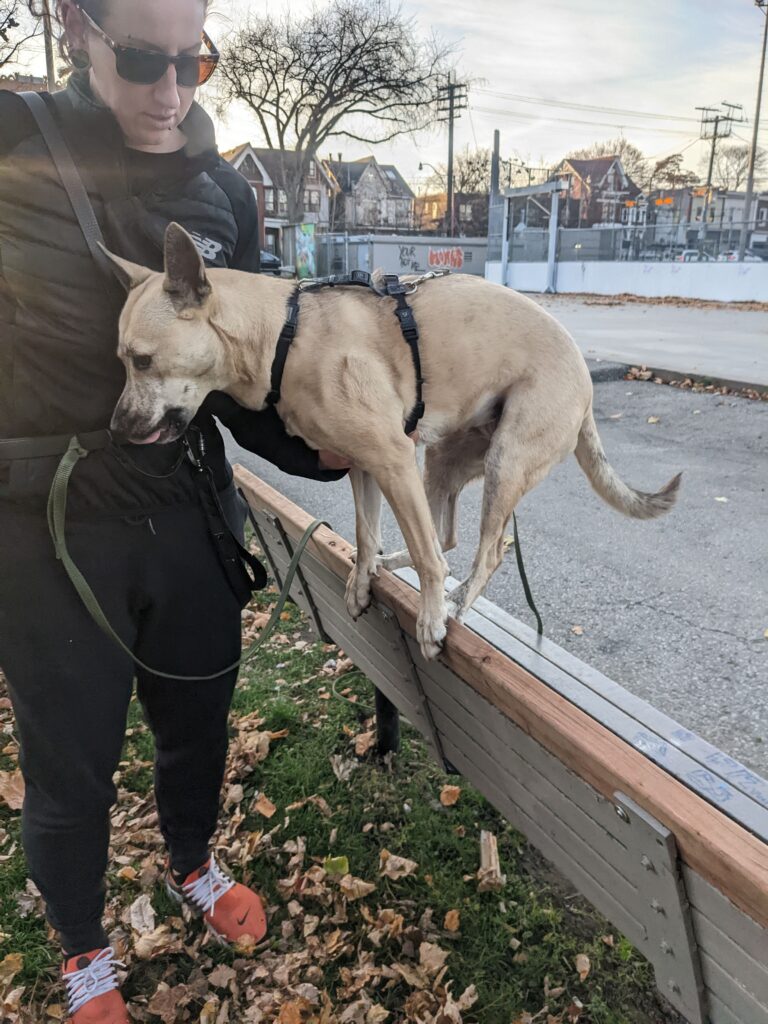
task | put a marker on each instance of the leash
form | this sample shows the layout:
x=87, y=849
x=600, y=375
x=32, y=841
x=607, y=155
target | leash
x=524, y=578
x=56, y=511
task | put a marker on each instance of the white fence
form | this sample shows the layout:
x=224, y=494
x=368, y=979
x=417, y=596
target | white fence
x=722, y=282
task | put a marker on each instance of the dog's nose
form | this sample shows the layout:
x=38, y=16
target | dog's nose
x=176, y=418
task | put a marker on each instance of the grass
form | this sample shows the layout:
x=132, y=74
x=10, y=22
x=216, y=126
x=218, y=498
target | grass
x=510, y=945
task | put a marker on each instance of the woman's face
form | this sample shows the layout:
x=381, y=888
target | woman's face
x=147, y=114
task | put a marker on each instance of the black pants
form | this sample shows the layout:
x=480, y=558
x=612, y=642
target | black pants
x=163, y=589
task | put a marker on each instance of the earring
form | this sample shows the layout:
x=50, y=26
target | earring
x=80, y=60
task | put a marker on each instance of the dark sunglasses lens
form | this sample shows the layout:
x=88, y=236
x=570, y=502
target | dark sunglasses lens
x=207, y=65
x=141, y=66
x=188, y=71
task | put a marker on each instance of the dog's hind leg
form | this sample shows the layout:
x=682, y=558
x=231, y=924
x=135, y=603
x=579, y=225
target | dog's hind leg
x=532, y=438
x=448, y=468
x=367, y=495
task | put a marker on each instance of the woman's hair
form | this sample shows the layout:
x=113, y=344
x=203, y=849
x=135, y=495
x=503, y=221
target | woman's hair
x=97, y=9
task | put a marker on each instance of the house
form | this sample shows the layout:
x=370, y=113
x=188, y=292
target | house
x=598, y=193
x=23, y=83
x=369, y=196
x=265, y=170
x=470, y=214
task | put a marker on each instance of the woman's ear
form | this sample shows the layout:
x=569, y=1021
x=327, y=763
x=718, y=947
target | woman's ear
x=74, y=26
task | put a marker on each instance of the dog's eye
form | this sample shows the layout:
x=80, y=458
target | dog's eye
x=141, y=362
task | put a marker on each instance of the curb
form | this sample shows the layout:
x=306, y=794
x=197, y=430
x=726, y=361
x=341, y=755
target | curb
x=601, y=371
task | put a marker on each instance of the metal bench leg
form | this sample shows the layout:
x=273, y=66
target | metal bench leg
x=387, y=725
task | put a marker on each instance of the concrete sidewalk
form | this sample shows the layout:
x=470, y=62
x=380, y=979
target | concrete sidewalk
x=725, y=344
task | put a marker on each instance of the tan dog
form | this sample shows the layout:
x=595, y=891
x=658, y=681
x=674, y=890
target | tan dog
x=508, y=396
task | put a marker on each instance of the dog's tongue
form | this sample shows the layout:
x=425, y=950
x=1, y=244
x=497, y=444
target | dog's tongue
x=151, y=438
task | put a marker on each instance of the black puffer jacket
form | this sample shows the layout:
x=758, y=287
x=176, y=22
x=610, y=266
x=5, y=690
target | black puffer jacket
x=59, y=373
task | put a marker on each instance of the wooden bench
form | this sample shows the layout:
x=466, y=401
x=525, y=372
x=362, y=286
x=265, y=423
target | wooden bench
x=663, y=833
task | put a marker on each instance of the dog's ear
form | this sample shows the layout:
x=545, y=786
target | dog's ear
x=185, y=278
x=130, y=275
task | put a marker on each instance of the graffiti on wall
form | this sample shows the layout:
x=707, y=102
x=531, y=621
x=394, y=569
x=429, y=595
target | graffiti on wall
x=452, y=257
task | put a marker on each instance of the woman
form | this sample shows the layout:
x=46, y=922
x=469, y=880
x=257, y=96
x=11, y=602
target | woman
x=136, y=526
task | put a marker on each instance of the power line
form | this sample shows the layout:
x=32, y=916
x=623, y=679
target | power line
x=526, y=118
x=586, y=106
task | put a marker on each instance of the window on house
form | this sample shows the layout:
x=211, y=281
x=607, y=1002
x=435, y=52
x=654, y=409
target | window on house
x=312, y=172
x=465, y=211
x=311, y=200
x=763, y=215
x=283, y=200
x=269, y=199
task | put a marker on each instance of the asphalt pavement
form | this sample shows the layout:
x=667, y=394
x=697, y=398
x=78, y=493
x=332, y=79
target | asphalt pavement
x=676, y=609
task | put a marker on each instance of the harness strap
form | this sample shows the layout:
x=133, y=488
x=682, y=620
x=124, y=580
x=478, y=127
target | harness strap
x=410, y=332
x=393, y=288
x=287, y=334
x=57, y=508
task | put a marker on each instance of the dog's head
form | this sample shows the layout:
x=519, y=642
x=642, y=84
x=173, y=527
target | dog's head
x=172, y=354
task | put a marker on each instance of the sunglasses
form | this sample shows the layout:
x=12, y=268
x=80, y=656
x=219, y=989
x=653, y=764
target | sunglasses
x=145, y=67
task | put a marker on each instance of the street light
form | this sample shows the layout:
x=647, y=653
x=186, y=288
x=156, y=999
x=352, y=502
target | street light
x=763, y=5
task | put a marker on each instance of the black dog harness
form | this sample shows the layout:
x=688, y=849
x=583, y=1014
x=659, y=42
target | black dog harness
x=392, y=287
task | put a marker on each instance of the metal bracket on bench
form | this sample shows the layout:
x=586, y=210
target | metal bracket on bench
x=400, y=644
x=664, y=910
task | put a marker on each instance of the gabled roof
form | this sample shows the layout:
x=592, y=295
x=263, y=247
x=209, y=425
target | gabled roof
x=272, y=161
x=596, y=169
x=348, y=173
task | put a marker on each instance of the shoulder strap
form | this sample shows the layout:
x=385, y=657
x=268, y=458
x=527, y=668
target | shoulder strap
x=70, y=178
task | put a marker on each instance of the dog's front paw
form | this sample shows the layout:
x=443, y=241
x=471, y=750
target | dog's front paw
x=431, y=630
x=358, y=592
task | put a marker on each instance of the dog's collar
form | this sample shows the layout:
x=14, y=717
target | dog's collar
x=392, y=287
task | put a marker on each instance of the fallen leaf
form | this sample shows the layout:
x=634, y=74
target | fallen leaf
x=234, y=796
x=396, y=867
x=355, y=888
x=452, y=921
x=608, y=940
x=449, y=795
x=9, y=968
x=583, y=965
x=577, y=630
x=431, y=957
x=653, y=419
x=161, y=942
x=336, y=865
x=364, y=742
x=142, y=915
x=615, y=416
x=723, y=500
x=12, y=789
x=221, y=976
x=263, y=805
x=343, y=767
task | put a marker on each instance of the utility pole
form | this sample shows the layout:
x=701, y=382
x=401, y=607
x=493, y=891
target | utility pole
x=763, y=5
x=452, y=98
x=48, y=37
x=711, y=120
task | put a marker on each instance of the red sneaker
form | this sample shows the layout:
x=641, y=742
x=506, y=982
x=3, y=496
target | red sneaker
x=92, y=988
x=231, y=911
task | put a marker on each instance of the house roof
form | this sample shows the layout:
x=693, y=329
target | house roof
x=348, y=173
x=596, y=168
x=272, y=160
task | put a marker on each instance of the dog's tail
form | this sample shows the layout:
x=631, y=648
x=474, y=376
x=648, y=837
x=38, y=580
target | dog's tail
x=608, y=484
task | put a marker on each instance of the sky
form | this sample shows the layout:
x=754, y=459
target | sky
x=661, y=57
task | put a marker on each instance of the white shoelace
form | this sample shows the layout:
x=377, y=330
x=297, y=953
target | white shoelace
x=98, y=978
x=210, y=887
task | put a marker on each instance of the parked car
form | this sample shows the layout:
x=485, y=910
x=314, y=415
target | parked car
x=694, y=256
x=732, y=256
x=270, y=264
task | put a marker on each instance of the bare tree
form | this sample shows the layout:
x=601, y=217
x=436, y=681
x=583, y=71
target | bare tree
x=16, y=29
x=471, y=173
x=732, y=166
x=670, y=173
x=353, y=68
x=633, y=160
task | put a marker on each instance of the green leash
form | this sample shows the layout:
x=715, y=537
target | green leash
x=57, y=508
